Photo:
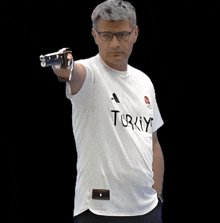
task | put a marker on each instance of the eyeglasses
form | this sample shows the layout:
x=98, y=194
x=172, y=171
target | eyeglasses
x=108, y=36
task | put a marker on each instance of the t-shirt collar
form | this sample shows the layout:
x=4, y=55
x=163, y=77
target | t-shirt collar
x=121, y=73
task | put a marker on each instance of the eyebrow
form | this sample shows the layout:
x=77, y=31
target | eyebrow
x=114, y=32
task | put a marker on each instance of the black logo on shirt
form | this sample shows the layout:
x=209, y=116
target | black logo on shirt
x=138, y=123
x=115, y=98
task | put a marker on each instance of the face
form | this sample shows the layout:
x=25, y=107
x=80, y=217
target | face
x=115, y=53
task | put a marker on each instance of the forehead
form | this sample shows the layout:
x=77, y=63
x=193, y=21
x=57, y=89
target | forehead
x=113, y=26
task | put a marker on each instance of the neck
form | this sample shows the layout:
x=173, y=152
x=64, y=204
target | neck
x=117, y=64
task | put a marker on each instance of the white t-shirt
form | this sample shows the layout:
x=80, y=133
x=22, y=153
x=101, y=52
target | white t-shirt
x=113, y=116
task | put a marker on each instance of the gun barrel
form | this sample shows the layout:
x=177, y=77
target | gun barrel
x=47, y=61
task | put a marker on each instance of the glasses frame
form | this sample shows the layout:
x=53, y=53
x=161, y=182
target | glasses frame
x=115, y=34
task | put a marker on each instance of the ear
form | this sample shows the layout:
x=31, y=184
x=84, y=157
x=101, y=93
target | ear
x=136, y=33
x=94, y=34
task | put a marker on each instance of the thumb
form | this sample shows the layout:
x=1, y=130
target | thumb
x=69, y=56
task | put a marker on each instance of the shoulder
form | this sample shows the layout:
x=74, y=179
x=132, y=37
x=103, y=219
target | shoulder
x=141, y=76
x=87, y=61
x=88, y=64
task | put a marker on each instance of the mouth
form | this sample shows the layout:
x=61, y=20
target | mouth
x=116, y=53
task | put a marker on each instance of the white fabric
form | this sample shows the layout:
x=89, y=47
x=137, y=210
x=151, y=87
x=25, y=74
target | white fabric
x=114, y=140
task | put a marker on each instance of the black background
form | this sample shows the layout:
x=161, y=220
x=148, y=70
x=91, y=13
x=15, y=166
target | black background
x=177, y=48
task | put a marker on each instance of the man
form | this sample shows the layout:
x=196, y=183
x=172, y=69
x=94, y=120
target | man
x=115, y=121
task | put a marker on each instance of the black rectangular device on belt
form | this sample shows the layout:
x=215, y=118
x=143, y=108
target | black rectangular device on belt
x=100, y=194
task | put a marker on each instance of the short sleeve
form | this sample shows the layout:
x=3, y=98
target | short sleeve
x=157, y=119
x=86, y=88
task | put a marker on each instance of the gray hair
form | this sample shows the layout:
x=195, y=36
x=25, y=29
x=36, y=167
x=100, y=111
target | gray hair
x=114, y=10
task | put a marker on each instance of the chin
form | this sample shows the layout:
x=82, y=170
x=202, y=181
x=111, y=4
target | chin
x=117, y=57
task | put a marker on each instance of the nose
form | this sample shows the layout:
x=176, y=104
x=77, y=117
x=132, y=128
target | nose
x=114, y=42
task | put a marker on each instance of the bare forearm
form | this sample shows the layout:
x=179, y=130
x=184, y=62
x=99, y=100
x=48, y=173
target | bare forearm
x=158, y=169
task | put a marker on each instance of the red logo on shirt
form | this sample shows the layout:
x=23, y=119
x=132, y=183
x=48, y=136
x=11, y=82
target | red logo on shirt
x=147, y=101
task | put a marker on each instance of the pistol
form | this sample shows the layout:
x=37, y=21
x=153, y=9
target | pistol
x=57, y=59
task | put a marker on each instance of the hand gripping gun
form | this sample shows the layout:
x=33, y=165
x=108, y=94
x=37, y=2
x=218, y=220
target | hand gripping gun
x=59, y=60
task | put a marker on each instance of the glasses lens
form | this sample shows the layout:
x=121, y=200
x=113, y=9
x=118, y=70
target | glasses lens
x=106, y=36
x=123, y=36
